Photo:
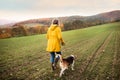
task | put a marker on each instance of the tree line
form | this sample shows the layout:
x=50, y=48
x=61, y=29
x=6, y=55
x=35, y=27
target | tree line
x=21, y=30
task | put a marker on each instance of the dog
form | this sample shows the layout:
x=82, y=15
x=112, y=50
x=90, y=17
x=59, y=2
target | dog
x=65, y=63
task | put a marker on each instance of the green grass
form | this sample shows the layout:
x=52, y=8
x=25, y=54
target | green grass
x=26, y=57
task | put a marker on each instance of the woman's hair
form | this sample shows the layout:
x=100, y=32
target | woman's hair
x=55, y=21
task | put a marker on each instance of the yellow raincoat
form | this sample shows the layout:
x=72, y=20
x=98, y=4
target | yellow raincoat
x=54, y=37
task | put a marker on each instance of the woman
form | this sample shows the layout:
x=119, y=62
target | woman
x=55, y=41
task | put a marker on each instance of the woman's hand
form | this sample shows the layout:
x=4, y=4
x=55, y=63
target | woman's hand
x=62, y=43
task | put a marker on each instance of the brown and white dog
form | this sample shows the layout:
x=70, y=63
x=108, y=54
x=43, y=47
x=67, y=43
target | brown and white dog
x=65, y=63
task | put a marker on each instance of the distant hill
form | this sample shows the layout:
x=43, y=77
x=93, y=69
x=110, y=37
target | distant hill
x=112, y=16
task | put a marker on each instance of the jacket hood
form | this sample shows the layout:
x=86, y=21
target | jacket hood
x=53, y=27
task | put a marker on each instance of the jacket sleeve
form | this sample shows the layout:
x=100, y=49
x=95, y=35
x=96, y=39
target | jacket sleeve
x=60, y=34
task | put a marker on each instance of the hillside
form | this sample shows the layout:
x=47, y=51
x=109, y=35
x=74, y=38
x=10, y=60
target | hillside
x=96, y=49
x=111, y=16
x=105, y=17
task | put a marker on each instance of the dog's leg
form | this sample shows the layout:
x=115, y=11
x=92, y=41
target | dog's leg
x=72, y=66
x=62, y=71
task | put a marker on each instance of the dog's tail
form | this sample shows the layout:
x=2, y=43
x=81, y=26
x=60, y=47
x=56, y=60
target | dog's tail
x=61, y=59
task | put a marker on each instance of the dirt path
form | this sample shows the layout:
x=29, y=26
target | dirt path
x=91, y=58
x=114, y=59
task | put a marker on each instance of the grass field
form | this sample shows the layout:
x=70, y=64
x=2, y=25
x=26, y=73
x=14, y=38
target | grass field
x=96, y=48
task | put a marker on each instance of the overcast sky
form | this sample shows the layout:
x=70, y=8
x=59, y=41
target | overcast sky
x=30, y=9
